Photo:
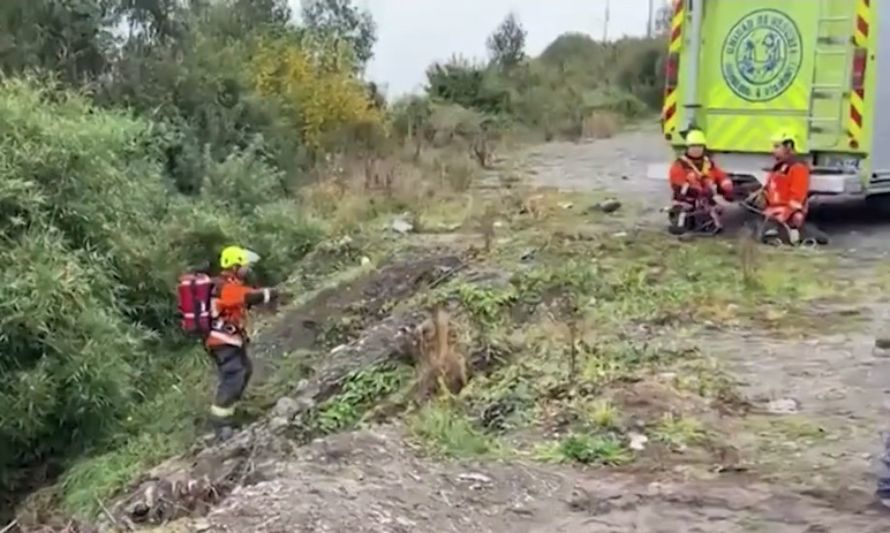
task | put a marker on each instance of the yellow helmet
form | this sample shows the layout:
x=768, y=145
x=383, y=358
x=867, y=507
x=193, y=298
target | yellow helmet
x=235, y=256
x=696, y=138
x=785, y=136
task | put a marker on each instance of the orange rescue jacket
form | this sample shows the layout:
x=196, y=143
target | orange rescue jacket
x=788, y=185
x=231, y=300
x=695, y=176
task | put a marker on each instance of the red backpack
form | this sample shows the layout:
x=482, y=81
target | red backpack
x=194, y=293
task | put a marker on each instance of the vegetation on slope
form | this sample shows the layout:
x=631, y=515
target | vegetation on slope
x=139, y=137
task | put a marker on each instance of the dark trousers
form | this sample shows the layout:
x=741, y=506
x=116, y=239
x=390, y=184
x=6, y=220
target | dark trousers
x=234, y=369
x=883, y=489
x=761, y=226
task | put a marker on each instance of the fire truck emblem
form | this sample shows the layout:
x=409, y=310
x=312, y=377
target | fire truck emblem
x=762, y=54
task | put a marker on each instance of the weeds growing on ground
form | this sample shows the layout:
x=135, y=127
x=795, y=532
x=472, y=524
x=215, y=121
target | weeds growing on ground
x=361, y=392
x=486, y=306
x=615, y=291
x=605, y=450
x=679, y=432
x=504, y=399
x=163, y=426
x=602, y=414
x=444, y=430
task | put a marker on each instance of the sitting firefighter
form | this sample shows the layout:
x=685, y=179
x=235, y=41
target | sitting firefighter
x=782, y=202
x=695, y=181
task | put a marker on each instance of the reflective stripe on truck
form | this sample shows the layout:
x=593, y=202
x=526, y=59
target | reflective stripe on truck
x=669, y=115
x=860, y=61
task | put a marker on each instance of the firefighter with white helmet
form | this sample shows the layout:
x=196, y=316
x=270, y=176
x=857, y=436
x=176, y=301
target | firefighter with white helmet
x=695, y=180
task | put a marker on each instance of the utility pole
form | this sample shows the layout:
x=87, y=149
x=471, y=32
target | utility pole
x=651, y=27
x=606, y=23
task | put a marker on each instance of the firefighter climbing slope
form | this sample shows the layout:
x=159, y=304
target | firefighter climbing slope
x=695, y=179
x=228, y=339
x=216, y=309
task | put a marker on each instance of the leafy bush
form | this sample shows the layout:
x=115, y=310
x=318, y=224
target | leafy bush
x=93, y=240
x=557, y=92
x=242, y=182
x=450, y=122
x=282, y=236
x=571, y=48
x=187, y=69
x=467, y=84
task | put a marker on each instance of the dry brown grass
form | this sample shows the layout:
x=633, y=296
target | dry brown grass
x=540, y=202
x=601, y=125
x=482, y=149
x=487, y=227
x=437, y=188
x=455, y=171
x=350, y=191
x=441, y=366
x=749, y=258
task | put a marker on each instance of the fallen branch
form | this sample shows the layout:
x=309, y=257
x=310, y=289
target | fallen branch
x=107, y=514
x=447, y=275
x=9, y=526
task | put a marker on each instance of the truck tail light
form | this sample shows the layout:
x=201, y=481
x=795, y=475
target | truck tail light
x=672, y=71
x=860, y=60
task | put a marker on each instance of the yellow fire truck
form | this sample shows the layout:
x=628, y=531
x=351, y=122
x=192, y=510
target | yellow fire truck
x=743, y=69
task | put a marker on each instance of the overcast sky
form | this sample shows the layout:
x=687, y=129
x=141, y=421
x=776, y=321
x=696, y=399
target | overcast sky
x=414, y=33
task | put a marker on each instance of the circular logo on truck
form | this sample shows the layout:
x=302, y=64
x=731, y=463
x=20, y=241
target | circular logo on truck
x=762, y=55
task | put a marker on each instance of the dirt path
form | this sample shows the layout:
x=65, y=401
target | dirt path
x=616, y=166
x=826, y=404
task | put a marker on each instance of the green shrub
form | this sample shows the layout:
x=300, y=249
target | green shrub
x=282, y=236
x=94, y=237
x=556, y=92
x=241, y=182
x=467, y=84
x=410, y=116
x=448, y=432
x=450, y=122
x=68, y=353
x=587, y=449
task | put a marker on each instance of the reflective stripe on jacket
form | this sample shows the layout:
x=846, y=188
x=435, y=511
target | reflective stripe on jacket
x=689, y=177
x=231, y=300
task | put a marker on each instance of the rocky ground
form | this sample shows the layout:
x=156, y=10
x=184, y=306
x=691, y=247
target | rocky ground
x=370, y=482
x=765, y=417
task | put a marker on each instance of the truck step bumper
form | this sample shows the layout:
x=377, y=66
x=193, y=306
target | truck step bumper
x=835, y=184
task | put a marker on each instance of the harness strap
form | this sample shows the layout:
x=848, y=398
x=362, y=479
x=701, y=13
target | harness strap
x=700, y=172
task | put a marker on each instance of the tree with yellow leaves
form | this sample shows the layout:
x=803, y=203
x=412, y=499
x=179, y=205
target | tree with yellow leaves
x=315, y=81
